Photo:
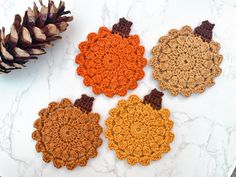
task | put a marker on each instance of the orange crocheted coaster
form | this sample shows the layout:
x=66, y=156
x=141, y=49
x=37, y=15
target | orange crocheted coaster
x=66, y=135
x=140, y=131
x=187, y=61
x=111, y=62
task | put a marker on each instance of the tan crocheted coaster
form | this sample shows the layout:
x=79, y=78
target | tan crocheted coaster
x=66, y=135
x=139, y=131
x=183, y=63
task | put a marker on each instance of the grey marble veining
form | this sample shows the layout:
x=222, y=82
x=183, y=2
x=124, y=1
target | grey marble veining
x=205, y=125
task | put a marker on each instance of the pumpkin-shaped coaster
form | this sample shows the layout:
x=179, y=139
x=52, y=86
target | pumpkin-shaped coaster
x=67, y=133
x=186, y=61
x=111, y=61
x=140, y=131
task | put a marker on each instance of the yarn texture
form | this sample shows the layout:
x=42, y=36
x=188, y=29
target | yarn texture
x=184, y=64
x=111, y=62
x=67, y=136
x=138, y=132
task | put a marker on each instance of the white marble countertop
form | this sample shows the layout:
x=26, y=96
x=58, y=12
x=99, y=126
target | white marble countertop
x=205, y=125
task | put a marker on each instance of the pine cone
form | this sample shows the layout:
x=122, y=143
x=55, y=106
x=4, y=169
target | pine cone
x=29, y=37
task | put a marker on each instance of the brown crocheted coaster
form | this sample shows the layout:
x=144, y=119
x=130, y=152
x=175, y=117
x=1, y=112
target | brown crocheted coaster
x=183, y=63
x=66, y=134
x=139, y=132
x=111, y=62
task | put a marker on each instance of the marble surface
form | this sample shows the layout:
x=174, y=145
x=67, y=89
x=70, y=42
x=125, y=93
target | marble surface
x=205, y=125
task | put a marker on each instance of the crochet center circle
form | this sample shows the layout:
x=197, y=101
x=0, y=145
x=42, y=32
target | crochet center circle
x=109, y=63
x=138, y=132
x=184, y=63
x=66, y=135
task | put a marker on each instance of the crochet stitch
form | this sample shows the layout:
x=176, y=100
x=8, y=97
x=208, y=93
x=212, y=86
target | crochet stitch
x=111, y=64
x=138, y=132
x=205, y=30
x=66, y=135
x=123, y=28
x=184, y=64
x=85, y=103
x=154, y=99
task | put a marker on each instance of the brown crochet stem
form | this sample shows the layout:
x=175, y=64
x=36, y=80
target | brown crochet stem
x=123, y=28
x=205, y=30
x=85, y=103
x=234, y=173
x=154, y=99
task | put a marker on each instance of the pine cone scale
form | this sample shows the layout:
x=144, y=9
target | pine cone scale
x=26, y=38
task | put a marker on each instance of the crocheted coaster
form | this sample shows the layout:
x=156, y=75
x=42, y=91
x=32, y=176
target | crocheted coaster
x=139, y=132
x=66, y=135
x=111, y=62
x=187, y=61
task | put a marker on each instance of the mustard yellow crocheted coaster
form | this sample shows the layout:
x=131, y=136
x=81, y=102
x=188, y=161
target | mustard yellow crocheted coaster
x=139, y=131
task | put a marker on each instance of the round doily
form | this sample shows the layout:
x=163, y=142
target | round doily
x=111, y=62
x=187, y=61
x=137, y=131
x=66, y=135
